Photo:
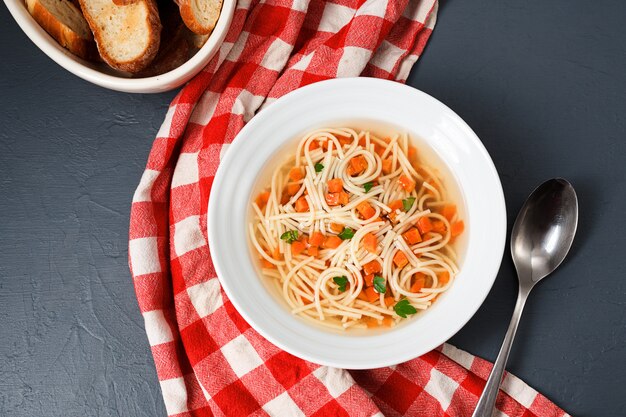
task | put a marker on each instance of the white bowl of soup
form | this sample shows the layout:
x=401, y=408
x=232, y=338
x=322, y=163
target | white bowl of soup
x=357, y=223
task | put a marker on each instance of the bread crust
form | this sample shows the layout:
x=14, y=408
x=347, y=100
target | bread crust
x=174, y=52
x=64, y=35
x=147, y=55
x=192, y=22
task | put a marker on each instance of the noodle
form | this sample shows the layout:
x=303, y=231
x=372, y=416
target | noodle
x=355, y=230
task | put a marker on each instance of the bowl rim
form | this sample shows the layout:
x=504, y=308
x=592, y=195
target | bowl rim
x=496, y=243
x=156, y=84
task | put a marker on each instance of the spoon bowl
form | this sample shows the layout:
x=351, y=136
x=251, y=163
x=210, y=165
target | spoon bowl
x=544, y=230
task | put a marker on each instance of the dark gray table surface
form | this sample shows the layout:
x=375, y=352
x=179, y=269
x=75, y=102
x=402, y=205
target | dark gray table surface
x=543, y=83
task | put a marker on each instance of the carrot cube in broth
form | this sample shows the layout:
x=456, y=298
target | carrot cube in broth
x=302, y=205
x=262, y=199
x=406, y=183
x=336, y=227
x=370, y=242
x=314, y=145
x=296, y=174
x=388, y=321
x=336, y=199
x=444, y=277
x=396, y=205
x=316, y=239
x=313, y=251
x=400, y=259
x=292, y=189
x=267, y=264
x=389, y=301
x=387, y=165
x=439, y=227
x=370, y=294
x=424, y=225
x=366, y=210
x=419, y=282
x=369, y=280
x=332, y=242
x=372, y=267
x=297, y=248
x=448, y=211
x=412, y=154
x=335, y=185
x=457, y=228
x=412, y=236
x=357, y=165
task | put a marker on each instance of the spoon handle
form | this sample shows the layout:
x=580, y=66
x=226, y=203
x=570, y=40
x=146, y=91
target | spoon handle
x=487, y=401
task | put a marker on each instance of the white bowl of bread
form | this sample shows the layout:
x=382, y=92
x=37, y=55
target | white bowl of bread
x=136, y=46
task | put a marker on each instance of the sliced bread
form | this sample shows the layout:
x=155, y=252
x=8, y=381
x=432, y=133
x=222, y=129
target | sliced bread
x=127, y=36
x=172, y=54
x=65, y=23
x=200, y=16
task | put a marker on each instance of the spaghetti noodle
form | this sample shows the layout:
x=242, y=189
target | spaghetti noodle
x=355, y=230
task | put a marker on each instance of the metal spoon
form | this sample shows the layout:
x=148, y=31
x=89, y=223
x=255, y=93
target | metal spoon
x=541, y=237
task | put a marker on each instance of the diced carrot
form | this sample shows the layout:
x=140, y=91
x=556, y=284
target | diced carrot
x=262, y=199
x=448, y=211
x=387, y=165
x=389, y=301
x=362, y=296
x=419, y=282
x=457, y=228
x=370, y=242
x=284, y=198
x=444, y=277
x=302, y=205
x=406, y=183
x=297, y=248
x=424, y=225
x=267, y=264
x=396, y=205
x=314, y=145
x=335, y=199
x=371, y=322
x=357, y=165
x=304, y=239
x=305, y=301
x=412, y=236
x=372, y=267
x=344, y=140
x=316, y=239
x=296, y=174
x=336, y=227
x=439, y=226
x=332, y=242
x=412, y=154
x=276, y=254
x=366, y=210
x=400, y=259
x=335, y=185
x=370, y=294
x=388, y=321
x=313, y=251
x=380, y=150
x=369, y=280
x=292, y=189
x=362, y=141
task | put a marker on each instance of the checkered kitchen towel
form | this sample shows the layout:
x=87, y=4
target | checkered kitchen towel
x=208, y=359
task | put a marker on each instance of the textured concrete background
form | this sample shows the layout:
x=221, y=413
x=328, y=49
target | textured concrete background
x=542, y=83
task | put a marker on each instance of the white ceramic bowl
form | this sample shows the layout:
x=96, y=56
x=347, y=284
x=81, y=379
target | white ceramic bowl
x=323, y=104
x=103, y=75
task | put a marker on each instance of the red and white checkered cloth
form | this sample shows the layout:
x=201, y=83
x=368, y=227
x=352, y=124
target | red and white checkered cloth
x=208, y=359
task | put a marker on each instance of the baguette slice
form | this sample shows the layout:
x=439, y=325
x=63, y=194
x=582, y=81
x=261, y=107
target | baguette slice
x=200, y=16
x=127, y=36
x=65, y=23
x=173, y=53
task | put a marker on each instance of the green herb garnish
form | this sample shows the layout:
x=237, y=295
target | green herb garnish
x=368, y=186
x=379, y=284
x=341, y=282
x=407, y=203
x=319, y=167
x=290, y=236
x=403, y=307
x=346, y=234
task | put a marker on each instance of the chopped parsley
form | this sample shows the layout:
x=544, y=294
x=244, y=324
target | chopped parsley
x=403, y=307
x=319, y=167
x=368, y=186
x=379, y=284
x=407, y=203
x=290, y=236
x=341, y=282
x=346, y=234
